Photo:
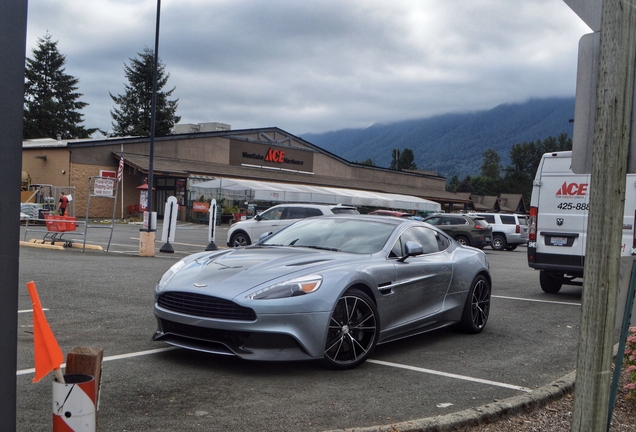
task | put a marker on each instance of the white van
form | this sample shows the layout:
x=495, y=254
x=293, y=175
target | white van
x=557, y=227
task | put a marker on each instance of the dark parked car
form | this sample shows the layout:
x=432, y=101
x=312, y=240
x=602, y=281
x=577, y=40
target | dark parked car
x=328, y=288
x=466, y=230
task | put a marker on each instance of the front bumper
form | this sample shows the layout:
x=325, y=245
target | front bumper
x=293, y=336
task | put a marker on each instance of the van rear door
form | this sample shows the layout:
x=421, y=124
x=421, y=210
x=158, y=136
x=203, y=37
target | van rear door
x=562, y=212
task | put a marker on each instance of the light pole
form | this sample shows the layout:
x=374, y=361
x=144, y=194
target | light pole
x=147, y=235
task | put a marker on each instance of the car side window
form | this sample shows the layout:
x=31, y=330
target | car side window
x=489, y=218
x=457, y=221
x=272, y=214
x=442, y=241
x=295, y=213
x=424, y=236
x=433, y=221
x=313, y=212
x=508, y=220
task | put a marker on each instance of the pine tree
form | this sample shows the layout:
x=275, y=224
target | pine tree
x=402, y=160
x=132, y=118
x=51, y=105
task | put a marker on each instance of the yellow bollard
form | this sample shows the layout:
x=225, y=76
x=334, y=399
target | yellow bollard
x=147, y=243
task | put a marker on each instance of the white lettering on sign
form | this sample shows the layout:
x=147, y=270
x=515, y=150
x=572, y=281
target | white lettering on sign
x=103, y=187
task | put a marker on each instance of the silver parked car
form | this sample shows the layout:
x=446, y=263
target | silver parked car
x=327, y=288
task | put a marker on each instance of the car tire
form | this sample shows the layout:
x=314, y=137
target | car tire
x=352, y=332
x=462, y=240
x=477, y=307
x=511, y=247
x=549, y=283
x=240, y=239
x=498, y=242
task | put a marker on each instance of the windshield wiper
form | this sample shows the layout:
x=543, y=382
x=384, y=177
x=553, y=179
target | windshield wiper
x=320, y=247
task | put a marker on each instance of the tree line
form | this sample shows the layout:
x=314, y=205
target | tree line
x=52, y=102
x=517, y=176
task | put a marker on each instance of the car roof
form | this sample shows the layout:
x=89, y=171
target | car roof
x=327, y=206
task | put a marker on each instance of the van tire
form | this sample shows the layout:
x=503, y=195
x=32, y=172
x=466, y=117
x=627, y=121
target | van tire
x=549, y=283
x=498, y=242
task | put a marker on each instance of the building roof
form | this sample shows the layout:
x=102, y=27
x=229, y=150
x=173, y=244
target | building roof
x=485, y=203
x=512, y=203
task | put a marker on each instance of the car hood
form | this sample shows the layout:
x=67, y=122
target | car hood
x=235, y=272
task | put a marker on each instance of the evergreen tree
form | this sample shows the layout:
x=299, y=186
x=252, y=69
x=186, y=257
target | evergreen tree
x=132, y=118
x=367, y=162
x=453, y=184
x=403, y=160
x=51, y=105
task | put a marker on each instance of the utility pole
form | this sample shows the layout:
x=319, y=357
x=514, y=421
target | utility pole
x=612, y=129
x=13, y=30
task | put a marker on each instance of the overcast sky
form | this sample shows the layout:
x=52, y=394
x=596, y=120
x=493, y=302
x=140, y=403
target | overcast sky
x=321, y=65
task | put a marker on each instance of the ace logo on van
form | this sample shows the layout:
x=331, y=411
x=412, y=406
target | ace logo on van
x=572, y=190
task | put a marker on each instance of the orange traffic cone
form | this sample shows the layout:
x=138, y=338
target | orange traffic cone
x=46, y=351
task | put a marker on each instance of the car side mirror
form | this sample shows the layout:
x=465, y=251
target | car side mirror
x=412, y=249
x=264, y=236
x=257, y=217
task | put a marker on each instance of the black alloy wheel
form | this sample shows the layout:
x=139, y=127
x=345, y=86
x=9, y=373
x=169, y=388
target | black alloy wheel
x=477, y=307
x=353, y=331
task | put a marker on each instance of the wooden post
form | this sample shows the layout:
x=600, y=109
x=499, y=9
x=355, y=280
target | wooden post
x=615, y=88
x=86, y=360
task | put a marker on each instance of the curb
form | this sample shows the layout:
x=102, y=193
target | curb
x=484, y=414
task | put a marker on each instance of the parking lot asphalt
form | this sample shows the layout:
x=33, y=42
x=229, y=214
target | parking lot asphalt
x=104, y=299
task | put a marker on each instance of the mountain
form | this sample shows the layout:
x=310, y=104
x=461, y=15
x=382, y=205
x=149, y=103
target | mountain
x=453, y=144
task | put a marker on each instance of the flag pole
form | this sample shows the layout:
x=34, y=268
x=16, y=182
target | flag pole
x=121, y=178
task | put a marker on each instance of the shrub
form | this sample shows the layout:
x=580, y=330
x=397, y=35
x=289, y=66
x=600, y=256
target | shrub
x=630, y=363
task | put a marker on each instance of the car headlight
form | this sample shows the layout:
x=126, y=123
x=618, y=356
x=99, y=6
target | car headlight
x=295, y=287
x=169, y=274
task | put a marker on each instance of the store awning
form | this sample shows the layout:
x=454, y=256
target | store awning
x=283, y=192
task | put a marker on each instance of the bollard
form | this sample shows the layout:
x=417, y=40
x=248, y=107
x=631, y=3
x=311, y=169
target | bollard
x=74, y=404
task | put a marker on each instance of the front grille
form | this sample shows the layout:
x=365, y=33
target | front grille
x=205, y=306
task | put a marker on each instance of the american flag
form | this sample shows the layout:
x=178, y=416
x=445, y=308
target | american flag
x=120, y=171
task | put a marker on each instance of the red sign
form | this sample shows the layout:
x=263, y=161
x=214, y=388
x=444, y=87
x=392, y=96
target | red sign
x=573, y=189
x=200, y=207
x=275, y=155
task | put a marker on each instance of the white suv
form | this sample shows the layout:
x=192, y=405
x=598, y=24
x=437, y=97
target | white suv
x=508, y=230
x=246, y=232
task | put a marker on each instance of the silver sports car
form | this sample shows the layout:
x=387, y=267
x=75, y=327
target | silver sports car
x=328, y=288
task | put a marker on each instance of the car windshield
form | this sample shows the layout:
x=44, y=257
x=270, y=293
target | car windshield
x=337, y=234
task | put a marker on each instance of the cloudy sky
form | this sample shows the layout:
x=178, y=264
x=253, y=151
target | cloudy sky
x=322, y=65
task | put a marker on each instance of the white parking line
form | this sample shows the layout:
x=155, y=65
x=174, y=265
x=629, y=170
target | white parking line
x=538, y=301
x=379, y=362
x=29, y=310
x=105, y=359
x=449, y=375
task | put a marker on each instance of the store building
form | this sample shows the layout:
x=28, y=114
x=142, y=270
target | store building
x=183, y=159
